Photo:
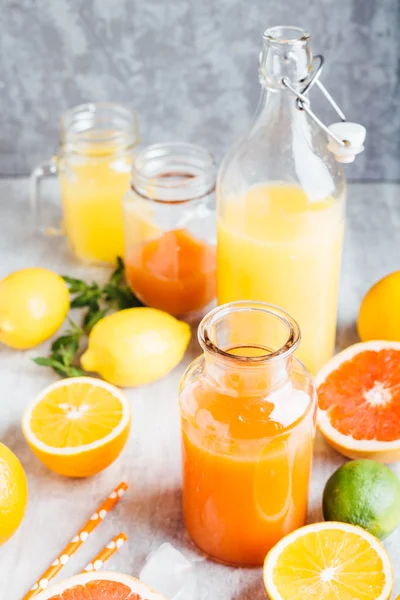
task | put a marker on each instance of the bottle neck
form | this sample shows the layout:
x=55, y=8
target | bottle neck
x=248, y=347
x=286, y=54
x=278, y=107
x=297, y=148
x=235, y=379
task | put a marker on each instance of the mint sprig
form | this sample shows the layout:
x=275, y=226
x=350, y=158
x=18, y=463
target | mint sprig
x=63, y=352
x=98, y=301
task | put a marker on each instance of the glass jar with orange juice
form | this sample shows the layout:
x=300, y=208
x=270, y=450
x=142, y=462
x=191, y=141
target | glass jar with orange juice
x=170, y=256
x=93, y=167
x=248, y=412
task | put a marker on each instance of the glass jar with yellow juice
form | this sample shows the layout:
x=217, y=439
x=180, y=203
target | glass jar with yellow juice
x=93, y=166
x=281, y=204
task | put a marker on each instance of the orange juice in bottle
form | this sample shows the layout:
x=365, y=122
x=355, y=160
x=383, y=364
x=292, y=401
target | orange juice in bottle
x=281, y=203
x=248, y=423
x=276, y=245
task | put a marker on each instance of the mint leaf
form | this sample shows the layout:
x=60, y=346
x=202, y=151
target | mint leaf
x=74, y=285
x=87, y=297
x=117, y=292
x=118, y=276
x=59, y=367
x=44, y=362
x=92, y=317
x=63, y=351
x=98, y=300
x=75, y=372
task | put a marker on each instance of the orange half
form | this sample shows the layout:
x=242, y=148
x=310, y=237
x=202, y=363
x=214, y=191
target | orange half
x=328, y=561
x=99, y=586
x=359, y=401
x=77, y=427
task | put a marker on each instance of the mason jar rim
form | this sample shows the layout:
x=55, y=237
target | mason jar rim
x=97, y=123
x=173, y=172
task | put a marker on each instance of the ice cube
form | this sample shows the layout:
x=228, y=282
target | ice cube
x=168, y=572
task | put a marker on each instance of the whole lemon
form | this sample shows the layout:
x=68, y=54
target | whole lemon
x=365, y=493
x=33, y=305
x=136, y=346
x=13, y=493
x=379, y=316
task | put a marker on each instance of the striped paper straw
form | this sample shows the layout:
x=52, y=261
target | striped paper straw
x=116, y=543
x=77, y=541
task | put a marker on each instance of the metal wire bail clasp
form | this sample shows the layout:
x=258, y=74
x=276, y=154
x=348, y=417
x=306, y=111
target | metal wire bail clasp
x=346, y=139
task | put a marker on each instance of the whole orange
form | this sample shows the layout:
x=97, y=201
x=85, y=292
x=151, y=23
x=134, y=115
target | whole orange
x=13, y=493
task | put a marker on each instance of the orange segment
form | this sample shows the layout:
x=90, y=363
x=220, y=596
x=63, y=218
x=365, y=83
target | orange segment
x=100, y=586
x=328, y=561
x=359, y=401
x=77, y=427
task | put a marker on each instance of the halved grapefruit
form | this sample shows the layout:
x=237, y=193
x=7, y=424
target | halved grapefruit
x=359, y=401
x=100, y=586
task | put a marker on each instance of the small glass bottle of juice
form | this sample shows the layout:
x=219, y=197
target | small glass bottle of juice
x=248, y=422
x=281, y=204
x=170, y=258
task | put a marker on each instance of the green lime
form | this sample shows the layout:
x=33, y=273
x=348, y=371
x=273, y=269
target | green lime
x=364, y=493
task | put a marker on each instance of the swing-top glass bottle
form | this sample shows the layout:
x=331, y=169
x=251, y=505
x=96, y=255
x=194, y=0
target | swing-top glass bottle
x=281, y=204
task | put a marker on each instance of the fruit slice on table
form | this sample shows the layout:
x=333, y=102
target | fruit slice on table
x=359, y=401
x=100, y=586
x=328, y=561
x=77, y=427
x=13, y=493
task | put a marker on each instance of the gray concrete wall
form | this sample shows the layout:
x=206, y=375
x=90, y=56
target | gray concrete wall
x=190, y=69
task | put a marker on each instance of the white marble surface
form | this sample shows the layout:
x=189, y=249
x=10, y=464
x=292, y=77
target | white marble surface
x=150, y=513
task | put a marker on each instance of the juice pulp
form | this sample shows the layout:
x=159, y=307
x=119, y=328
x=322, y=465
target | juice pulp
x=245, y=474
x=174, y=272
x=92, y=194
x=275, y=245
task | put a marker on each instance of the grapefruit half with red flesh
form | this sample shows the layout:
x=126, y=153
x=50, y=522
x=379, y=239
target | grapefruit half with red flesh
x=359, y=401
x=99, y=586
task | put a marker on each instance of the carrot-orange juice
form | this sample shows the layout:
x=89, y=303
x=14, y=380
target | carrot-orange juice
x=174, y=272
x=247, y=441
